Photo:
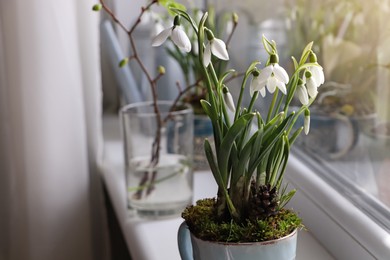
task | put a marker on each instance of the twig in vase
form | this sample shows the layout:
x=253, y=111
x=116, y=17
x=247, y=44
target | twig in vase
x=147, y=180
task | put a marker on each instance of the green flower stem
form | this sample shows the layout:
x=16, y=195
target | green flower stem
x=300, y=111
x=286, y=154
x=218, y=90
x=271, y=108
x=243, y=84
x=253, y=100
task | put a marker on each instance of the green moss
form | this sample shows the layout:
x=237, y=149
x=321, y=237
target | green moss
x=202, y=222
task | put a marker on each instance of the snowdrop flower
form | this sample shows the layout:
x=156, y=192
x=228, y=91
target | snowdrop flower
x=302, y=93
x=273, y=76
x=311, y=84
x=306, y=122
x=216, y=47
x=257, y=84
x=316, y=70
x=228, y=99
x=177, y=34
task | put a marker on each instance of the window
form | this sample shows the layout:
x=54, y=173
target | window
x=342, y=168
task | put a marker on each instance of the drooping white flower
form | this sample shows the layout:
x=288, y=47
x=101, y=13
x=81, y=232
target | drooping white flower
x=311, y=84
x=228, y=99
x=306, y=122
x=316, y=70
x=215, y=46
x=273, y=76
x=318, y=74
x=177, y=34
x=257, y=85
x=302, y=94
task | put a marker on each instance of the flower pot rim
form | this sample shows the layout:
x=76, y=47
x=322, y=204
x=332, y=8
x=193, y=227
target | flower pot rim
x=184, y=108
x=262, y=243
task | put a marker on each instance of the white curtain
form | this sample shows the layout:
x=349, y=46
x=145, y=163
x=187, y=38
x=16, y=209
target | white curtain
x=50, y=131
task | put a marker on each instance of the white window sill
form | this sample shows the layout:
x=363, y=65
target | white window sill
x=342, y=228
x=157, y=239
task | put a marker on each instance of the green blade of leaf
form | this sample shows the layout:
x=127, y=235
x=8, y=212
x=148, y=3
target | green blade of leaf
x=213, y=165
x=227, y=143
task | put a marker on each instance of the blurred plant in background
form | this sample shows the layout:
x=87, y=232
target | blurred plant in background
x=347, y=34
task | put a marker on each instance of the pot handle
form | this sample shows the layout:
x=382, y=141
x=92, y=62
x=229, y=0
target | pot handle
x=353, y=134
x=184, y=242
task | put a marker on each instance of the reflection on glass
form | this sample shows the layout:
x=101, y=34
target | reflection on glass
x=349, y=140
x=350, y=132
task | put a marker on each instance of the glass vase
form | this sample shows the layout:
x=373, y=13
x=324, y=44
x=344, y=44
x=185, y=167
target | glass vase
x=158, y=151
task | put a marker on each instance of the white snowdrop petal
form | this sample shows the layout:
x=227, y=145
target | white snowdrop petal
x=306, y=124
x=282, y=87
x=311, y=87
x=318, y=74
x=302, y=95
x=262, y=92
x=218, y=48
x=207, y=55
x=180, y=38
x=280, y=73
x=229, y=102
x=265, y=73
x=254, y=86
x=161, y=37
x=271, y=84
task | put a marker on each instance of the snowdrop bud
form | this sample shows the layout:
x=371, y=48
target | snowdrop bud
x=306, y=124
x=228, y=99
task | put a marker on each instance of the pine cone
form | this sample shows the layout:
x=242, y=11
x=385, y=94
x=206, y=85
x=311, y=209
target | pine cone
x=263, y=201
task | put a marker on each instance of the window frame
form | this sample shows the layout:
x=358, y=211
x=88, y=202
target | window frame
x=344, y=229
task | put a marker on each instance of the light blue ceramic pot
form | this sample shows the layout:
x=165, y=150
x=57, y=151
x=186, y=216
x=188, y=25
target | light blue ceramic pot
x=192, y=248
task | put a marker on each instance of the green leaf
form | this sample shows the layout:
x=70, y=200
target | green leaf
x=257, y=145
x=305, y=53
x=270, y=142
x=286, y=154
x=213, y=165
x=244, y=156
x=225, y=75
x=228, y=141
x=285, y=198
x=208, y=109
x=295, y=62
x=170, y=5
x=269, y=46
x=295, y=135
x=251, y=68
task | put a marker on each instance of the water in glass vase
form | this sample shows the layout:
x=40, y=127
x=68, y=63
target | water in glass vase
x=162, y=190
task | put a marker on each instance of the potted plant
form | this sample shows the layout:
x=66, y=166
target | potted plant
x=248, y=218
x=250, y=152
